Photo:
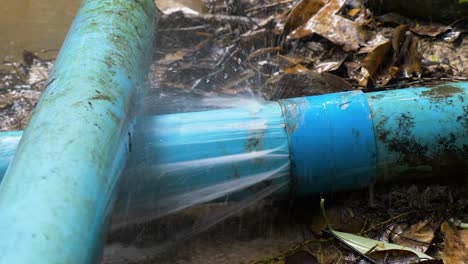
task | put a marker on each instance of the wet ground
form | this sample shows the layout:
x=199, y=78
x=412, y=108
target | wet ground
x=34, y=25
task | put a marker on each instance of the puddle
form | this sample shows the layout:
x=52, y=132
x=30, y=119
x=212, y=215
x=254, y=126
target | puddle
x=34, y=25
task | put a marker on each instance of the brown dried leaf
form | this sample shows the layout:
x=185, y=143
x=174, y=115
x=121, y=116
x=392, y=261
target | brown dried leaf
x=192, y=6
x=300, y=81
x=393, y=256
x=456, y=245
x=301, y=13
x=452, y=57
x=399, y=36
x=172, y=57
x=331, y=62
x=374, y=59
x=353, y=12
x=412, y=62
x=292, y=60
x=353, y=69
x=387, y=76
x=335, y=28
x=336, y=83
x=299, y=68
x=418, y=236
x=369, y=66
x=431, y=30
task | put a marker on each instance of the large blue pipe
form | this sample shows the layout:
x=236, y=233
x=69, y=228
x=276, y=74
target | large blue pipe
x=59, y=189
x=320, y=143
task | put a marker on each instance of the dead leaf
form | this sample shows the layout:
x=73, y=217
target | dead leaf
x=369, y=66
x=296, y=69
x=264, y=51
x=353, y=69
x=394, y=18
x=456, y=245
x=398, y=38
x=189, y=7
x=300, y=81
x=301, y=13
x=418, y=236
x=412, y=61
x=286, y=61
x=384, y=78
x=353, y=12
x=169, y=58
x=393, y=256
x=332, y=62
x=431, y=30
x=336, y=83
x=335, y=28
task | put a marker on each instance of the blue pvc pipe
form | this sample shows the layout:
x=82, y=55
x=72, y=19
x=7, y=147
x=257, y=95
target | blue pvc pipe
x=421, y=131
x=329, y=142
x=58, y=192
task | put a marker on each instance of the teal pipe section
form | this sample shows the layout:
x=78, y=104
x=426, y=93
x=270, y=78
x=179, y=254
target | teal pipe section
x=326, y=143
x=421, y=131
x=58, y=191
x=331, y=141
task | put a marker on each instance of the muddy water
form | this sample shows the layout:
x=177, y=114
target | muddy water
x=34, y=25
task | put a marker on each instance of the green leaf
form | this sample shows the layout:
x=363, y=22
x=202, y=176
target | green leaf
x=364, y=245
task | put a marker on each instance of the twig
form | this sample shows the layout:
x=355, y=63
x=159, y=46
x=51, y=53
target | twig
x=387, y=222
x=184, y=28
x=253, y=9
x=225, y=18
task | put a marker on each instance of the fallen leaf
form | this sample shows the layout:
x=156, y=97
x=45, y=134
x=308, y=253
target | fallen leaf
x=331, y=62
x=353, y=12
x=336, y=83
x=398, y=38
x=451, y=36
x=447, y=54
x=456, y=245
x=260, y=52
x=393, y=256
x=412, y=61
x=384, y=78
x=394, y=18
x=300, y=81
x=418, y=236
x=301, y=13
x=286, y=61
x=335, y=28
x=354, y=72
x=296, y=69
x=364, y=245
x=367, y=68
x=172, y=57
x=431, y=30
x=189, y=7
